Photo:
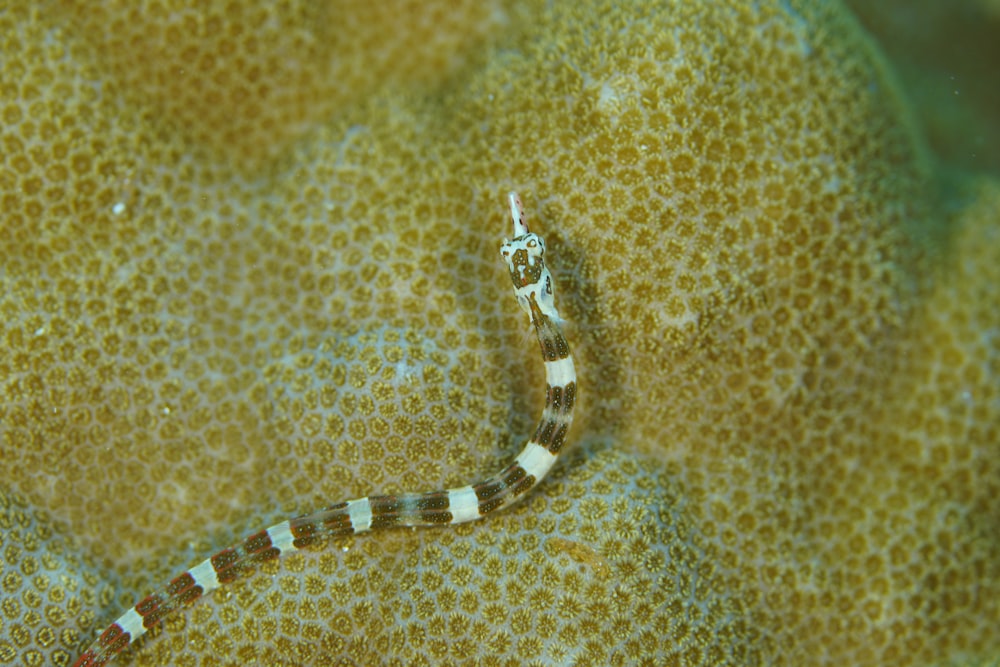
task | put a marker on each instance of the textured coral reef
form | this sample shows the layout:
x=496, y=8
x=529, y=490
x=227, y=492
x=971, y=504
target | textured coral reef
x=248, y=268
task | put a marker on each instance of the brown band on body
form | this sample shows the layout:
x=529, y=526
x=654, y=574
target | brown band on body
x=523, y=485
x=437, y=500
x=152, y=610
x=305, y=533
x=560, y=399
x=490, y=505
x=433, y=508
x=513, y=474
x=558, y=439
x=489, y=496
x=569, y=398
x=184, y=589
x=488, y=489
x=223, y=563
x=544, y=432
x=260, y=548
x=385, y=511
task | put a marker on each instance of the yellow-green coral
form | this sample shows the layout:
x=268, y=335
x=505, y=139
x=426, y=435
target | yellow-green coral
x=787, y=450
x=47, y=587
x=240, y=80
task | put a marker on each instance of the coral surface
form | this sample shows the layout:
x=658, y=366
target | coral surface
x=248, y=268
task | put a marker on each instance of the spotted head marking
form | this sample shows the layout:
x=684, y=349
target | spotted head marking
x=525, y=257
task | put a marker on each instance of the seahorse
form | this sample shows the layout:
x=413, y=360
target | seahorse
x=533, y=287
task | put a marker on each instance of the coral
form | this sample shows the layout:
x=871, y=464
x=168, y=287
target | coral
x=240, y=81
x=223, y=303
x=46, y=583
